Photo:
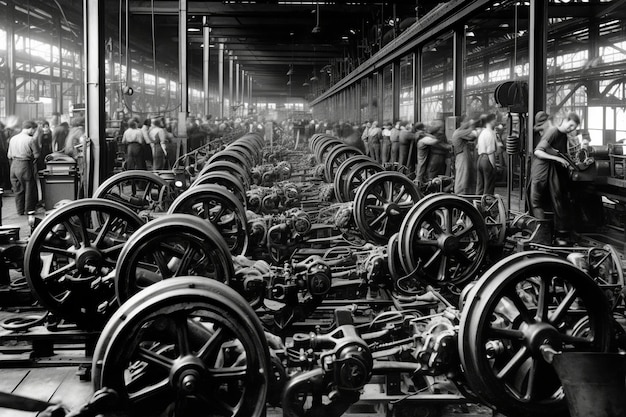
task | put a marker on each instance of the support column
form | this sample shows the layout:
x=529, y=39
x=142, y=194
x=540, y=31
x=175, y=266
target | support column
x=58, y=105
x=95, y=152
x=243, y=89
x=220, y=79
x=182, y=77
x=417, y=86
x=537, y=53
x=237, y=84
x=206, y=31
x=395, y=82
x=458, y=45
x=11, y=97
x=230, y=83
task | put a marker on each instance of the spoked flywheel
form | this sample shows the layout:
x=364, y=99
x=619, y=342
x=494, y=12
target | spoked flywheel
x=519, y=306
x=381, y=203
x=171, y=246
x=71, y=255
x=189, y=346
x=216, y=205
x=444, y=236
x=137, y=190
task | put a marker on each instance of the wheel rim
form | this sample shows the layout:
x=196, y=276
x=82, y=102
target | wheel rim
x=234, y=169
x=137, y=190
x=381, y=203
x=521, y=303
x=342, y=173
x=445, y=237
x=70, y=254
x=357, y=176
x=231, y=156
x=217, y=206
x=229, y=181
x=335, y=158
x=326, y=146
x=192, y=347
x=168, y=247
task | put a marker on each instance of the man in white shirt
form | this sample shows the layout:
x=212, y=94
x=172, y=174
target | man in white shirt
x=486, y=147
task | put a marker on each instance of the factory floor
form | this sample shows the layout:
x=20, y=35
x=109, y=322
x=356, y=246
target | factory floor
x=42, y=379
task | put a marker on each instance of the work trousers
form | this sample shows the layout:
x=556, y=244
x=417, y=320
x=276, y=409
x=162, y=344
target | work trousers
x=385, y=150
x=24, y=185
x=395, y=147
x=485, y=176
x=375, y=150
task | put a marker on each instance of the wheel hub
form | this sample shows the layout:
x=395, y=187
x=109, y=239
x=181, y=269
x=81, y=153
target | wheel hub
x=186, y=373
x=448, y=243
x=538, y=334
x=392, y=209
x=89, y=260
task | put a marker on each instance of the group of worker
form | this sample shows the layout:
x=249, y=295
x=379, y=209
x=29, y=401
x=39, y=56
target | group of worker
x=473, y=156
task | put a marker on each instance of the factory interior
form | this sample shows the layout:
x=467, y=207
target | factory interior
x=270, y=208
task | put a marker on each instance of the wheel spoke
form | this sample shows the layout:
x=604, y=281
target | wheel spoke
x=104, y=229
x=378, y=197
x=520, y=306
x=580, y=343
x=434, y=224
x=501, y=333
x=378, y=219
x=401, y=194
x=69, y=253
x=83, y=219
x=462, y=257
x=443, y=269
x=426, y=242
x=215, y=341
x=374, y=207
x=433, y=258
x=542, y=301
x=515, y=362
x=185, y=261
x=447, y=223
x=149, y=392
x=389, y=192
x=226, y=375
x=162, y=264
x=182, y=334
x=557, y=315
x=532, y=378
x=70, y=230
x=154, y=358
x=56, y=275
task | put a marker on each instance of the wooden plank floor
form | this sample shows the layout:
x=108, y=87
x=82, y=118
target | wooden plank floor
x=55, y=385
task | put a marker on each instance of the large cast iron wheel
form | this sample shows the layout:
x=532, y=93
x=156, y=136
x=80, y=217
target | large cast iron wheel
x=229, y=181
x=226, y=166
x=357, y=176
x=335, y=158
x=525, y=301
x=185, y=347
x=171, y=246
x=234, y=156
x=342, y=173
x=138, y=190
x=325, y=146
x=381, y=203
x=445, y=237
x=72, y=252
x=216, y=205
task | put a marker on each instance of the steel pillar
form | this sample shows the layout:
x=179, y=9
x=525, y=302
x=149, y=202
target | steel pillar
x=537, y=55
x=95, y=149
x=220, y=79
x=182, y=76
x=206, y=31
